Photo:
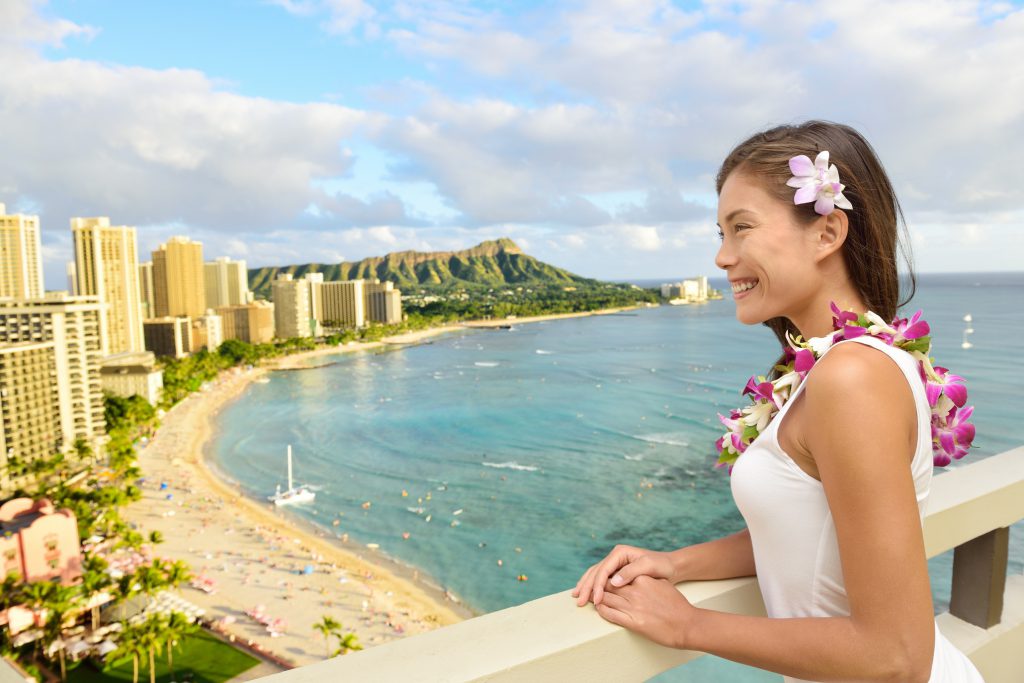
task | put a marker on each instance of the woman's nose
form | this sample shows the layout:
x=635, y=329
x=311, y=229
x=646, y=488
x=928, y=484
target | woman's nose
x=725, y=257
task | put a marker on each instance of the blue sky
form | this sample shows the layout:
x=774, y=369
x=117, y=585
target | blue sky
x=290, y=131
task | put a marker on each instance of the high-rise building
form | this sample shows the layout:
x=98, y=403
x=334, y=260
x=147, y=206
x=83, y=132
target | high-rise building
x=29, y=410
x=383, y=302
x=292, y=307
x=107, y=266
x=146, y=296
x=132, y=373
x=252, y=323
x=21, y=258
x=227, y=283
x=72, y=323
x=340, y=304
x=169, y=336
x=179, y=285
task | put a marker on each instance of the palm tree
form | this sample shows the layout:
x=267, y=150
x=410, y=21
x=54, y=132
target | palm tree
x=11, y=591
x=327, y=626
x=176, y=628
x=93, y=582
x=346, y=642
x=152, y=639
x=155, y=537
x=129, y=644
x=176, y=573
x=60, y=604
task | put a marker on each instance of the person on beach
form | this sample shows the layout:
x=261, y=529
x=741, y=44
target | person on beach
x=833, y=486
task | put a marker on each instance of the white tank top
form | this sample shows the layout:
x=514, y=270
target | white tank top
x=796, y=551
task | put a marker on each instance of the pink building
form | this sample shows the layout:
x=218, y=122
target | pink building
x=39, y=543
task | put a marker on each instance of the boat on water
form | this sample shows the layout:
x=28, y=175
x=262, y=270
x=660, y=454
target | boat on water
x=293, y=495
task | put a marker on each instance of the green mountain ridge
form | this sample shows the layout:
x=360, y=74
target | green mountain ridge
x=491, y=263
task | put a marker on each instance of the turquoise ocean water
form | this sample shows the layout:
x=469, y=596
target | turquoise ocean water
x=545, y=445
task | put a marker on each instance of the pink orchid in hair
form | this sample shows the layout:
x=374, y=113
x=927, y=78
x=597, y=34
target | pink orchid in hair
x=818, y=183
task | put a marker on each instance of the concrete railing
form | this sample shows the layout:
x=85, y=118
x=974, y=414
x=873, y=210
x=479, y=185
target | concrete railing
x=550, y=639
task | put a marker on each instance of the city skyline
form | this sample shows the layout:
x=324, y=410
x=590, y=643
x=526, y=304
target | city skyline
x=588, y=132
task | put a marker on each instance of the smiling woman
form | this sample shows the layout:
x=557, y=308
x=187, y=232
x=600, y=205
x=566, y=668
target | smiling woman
x=834, y=531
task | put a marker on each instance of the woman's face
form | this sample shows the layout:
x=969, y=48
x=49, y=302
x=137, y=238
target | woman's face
x=763, y=246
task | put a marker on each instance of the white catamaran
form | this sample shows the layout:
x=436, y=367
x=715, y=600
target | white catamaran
x=294, y=494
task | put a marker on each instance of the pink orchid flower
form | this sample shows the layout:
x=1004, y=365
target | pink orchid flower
x=952, y=436
x=818, y=183
x=952, y=386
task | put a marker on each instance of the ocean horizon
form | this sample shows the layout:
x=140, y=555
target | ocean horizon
x=488, y=456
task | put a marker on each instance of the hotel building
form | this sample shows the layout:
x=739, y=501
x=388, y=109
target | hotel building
x=383, y=302
x=72, y=324
x=132, y=373
x=107, y=266
x=252, y=323
x=30, y=425
x=168, y=336
x=21, y=259
x=179, y=285
x=227, y=283
x=292, y=309
x=38, y=542
x=207, y=332
x=339, y=304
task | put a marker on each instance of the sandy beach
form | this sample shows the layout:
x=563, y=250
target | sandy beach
x=254, y=558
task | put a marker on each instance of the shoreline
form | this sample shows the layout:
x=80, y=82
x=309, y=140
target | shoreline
x=254, y=552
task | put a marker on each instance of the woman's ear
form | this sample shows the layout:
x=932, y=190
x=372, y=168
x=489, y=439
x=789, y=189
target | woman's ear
x=831, y=233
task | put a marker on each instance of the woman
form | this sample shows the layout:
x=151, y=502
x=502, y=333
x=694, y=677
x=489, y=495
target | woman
x=833, y=488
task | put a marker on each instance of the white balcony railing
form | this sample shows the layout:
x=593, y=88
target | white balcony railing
x=550, y=639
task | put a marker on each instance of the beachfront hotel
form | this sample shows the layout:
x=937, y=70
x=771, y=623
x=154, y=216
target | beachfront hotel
x=292, y=314
x=72, y=325
x=107, y=266
x=132, y=373
x=30, y=425
x=38, y=542
x=252, y=323
x=227, y=283
x=21, y=260
x=179, y=283
x=207, y=331
x=383, y=302
x=339, y=304
x=168, y=336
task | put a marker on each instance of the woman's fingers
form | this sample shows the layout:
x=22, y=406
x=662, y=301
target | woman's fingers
x=583, y=587
x=628, y=572
x=616, y=559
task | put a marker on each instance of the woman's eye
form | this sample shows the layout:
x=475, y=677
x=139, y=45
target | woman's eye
x=741, y=226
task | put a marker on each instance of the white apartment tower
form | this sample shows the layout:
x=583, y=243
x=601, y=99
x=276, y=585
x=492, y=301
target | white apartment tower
x=227, y=283
x=292, y=310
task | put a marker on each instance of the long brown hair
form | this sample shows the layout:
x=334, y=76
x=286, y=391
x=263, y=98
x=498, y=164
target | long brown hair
x=877, y=228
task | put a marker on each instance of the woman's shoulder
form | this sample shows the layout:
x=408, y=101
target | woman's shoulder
x=852, y=372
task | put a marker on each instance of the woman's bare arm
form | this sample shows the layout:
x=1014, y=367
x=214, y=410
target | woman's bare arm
x=722, y=558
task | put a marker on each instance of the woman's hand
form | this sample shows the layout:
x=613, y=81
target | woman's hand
x=654, y=608
x=623, y=564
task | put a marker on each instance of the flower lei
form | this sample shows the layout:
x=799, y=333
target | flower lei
x=951, y=432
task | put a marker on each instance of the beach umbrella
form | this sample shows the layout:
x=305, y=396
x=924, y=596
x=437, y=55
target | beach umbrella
x=78, y=647
x=105, y=648
x=308, y=569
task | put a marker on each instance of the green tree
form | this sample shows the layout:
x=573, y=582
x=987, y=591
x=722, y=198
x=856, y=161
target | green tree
x=327, y=627
x=59, y=605
x=129, y=644
x=177, y=627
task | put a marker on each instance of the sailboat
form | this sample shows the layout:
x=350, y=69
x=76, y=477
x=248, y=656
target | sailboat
x=967, y=330
x=294, y=494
